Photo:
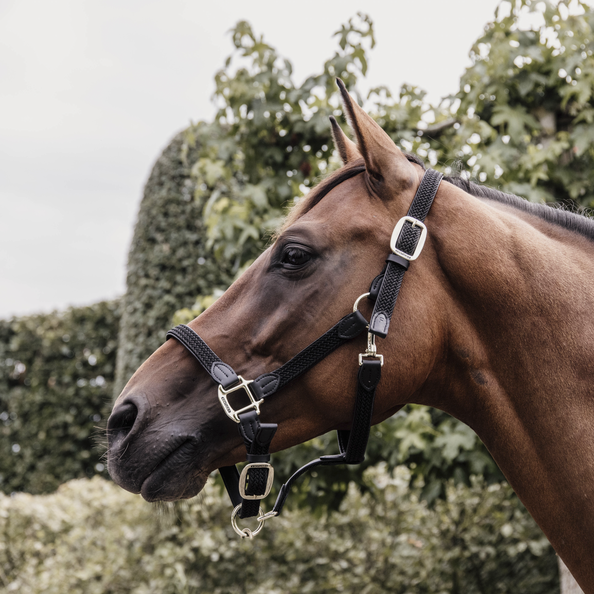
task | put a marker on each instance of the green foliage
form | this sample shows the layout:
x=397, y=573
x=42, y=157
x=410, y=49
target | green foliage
x=91, y=537
x=168, y=264
x=56, y=379
x=277, y=139
x=526, y=104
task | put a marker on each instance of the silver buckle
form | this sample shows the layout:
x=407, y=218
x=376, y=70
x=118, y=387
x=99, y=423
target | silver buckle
x=244, y=475
x=371, y=356
x=242, y=385
x=396, y=235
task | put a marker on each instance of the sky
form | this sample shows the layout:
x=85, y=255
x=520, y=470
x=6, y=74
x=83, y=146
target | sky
x=91, y=93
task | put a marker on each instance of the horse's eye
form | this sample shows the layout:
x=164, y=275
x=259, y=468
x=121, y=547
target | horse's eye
x=295, y=257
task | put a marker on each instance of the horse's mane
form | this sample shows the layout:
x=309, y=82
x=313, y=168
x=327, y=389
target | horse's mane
x=555, y=213
x=552, y=213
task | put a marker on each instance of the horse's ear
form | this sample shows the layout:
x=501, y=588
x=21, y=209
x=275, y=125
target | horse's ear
x=389, y=171
x=346, y=147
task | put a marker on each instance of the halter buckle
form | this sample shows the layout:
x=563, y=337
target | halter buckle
x=396, y=234
x=242, y=385
x=244, y=477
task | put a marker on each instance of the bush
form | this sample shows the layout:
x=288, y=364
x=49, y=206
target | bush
x=168, y=265
x=91, y=537
x=56, y=379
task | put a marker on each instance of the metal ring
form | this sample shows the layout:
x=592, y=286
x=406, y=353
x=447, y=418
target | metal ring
x=246, y=532
x=356, y=306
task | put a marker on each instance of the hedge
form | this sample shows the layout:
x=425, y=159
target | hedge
x=168, y=265
x=91, y=537
x=56, y=380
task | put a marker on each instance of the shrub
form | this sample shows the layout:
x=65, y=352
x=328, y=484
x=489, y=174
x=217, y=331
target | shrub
x=56, y=379
x=168, y=265
x=91, y=537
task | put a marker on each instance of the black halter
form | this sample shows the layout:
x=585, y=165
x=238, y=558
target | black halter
x=255, y=481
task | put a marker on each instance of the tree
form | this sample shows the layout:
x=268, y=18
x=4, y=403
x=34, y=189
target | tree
x=526, y=104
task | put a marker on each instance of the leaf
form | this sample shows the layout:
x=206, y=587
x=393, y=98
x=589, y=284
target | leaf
x=515, y=119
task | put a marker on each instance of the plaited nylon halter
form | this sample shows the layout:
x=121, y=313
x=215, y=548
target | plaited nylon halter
x=254, y=483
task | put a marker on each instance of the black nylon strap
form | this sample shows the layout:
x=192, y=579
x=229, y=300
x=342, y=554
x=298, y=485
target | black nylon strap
x=370, y=374
x=421, y=204
x=386, y=300
x=220, y=372
x=352, y=443
x=257, y=437
x=407, y=242
x=348, y=328
x=230, y=476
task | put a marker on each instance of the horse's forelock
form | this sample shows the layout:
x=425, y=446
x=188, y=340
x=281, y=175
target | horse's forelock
x=334, y=179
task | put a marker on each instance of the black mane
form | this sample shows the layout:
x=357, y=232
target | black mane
x=555, y=214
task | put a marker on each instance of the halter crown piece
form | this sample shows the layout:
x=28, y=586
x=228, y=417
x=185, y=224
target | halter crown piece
x=254, y=483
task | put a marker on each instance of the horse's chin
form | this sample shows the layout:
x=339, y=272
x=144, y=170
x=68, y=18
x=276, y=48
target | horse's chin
x=168, y=476
x=162, y=485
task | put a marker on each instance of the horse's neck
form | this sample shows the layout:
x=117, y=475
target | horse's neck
x=520, y=358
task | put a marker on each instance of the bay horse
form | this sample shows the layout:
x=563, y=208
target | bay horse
x=494, y=325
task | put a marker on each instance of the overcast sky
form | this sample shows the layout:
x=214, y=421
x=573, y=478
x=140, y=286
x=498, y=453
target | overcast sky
x=91, y=92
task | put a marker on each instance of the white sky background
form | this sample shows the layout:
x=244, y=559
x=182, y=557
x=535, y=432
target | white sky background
x=91, y=92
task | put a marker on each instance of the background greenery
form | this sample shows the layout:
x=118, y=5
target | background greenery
x=521, y=121
x=168, y=263
x=56, y=380
x=91, y=537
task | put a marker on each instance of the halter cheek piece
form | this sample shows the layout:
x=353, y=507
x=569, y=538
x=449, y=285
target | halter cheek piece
x=254, y=483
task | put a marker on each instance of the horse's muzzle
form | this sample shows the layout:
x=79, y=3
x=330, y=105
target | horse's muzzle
x=149, y=456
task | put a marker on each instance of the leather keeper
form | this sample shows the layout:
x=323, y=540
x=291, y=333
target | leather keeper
x=396, y=259
x=261, y=458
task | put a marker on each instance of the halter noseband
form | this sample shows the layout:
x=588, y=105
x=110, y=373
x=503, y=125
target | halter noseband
x=255, y=481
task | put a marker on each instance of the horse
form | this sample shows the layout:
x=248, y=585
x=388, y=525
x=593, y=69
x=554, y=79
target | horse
x=494, y=325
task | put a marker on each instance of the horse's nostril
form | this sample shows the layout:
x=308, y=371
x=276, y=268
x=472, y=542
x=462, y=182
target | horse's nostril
x=121, y=421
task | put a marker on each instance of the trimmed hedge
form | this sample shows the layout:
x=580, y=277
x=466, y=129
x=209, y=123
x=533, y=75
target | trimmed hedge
x=56, y=380
x=168, y=264
x=93, y=538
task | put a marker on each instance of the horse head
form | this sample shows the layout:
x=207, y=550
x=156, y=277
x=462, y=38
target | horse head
x=168, y=430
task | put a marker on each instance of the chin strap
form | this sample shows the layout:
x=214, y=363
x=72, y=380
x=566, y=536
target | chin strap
x=255, y=481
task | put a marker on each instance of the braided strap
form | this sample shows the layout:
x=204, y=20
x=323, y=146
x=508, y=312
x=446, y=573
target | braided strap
x=220, y=372
x=421, y=204
x=348, y=328
x=406, y=244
